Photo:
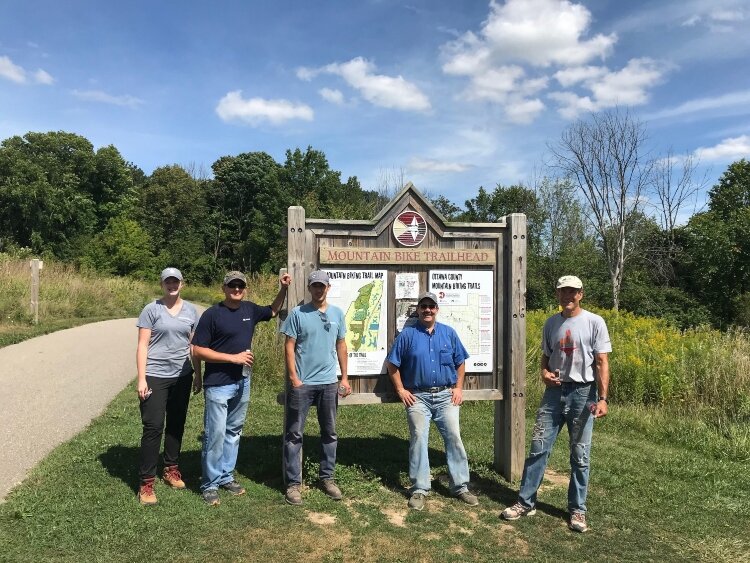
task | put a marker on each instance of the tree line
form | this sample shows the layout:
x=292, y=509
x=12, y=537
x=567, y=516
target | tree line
x=609, y=214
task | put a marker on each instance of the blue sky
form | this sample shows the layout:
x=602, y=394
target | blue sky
x=450, y=94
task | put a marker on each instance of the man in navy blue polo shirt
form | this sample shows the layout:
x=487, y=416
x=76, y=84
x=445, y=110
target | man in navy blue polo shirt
x=223, y=340
x=427, y=368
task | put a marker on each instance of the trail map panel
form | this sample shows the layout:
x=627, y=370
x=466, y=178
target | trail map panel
x=466, y=304
x=362, y=296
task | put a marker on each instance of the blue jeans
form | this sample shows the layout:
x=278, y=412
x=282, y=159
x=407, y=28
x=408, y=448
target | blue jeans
x=567, y=404
x=223, y=419
x=298, y=402
x=438, y=407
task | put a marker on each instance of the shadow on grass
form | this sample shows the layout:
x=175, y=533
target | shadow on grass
x=259, y=460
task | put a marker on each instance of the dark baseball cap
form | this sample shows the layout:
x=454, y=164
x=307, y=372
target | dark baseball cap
x=234, y=275
x=318, y=276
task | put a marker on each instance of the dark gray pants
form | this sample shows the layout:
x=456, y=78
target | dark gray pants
x=298, y=403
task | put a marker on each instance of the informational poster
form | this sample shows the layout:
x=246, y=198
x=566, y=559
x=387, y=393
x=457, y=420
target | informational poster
x=466, y=302
x=407, y=285
x=363, y=296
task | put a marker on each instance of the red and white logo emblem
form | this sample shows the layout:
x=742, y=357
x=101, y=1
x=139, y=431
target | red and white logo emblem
x=409, y=228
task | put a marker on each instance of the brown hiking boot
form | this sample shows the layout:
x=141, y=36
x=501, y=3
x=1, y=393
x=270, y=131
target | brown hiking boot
x=293, y=495
x=329, y=488
x=173, y=478
x=146, y=495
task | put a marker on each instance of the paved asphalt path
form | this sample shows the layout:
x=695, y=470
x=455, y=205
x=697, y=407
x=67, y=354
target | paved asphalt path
x=54, y=385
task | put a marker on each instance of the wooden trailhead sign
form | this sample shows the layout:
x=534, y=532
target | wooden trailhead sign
x=378, y=268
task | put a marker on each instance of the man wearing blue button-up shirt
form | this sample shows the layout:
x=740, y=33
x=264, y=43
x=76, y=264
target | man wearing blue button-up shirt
x=426, y=365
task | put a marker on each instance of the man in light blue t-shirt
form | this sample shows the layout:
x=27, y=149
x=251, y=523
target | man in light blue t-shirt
x=314, y=345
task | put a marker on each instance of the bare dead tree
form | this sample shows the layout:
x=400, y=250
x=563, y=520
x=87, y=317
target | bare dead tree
x=605, y=157
x=676, y=187
x=389, y=182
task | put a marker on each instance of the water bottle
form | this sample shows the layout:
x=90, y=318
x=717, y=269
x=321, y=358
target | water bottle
x=247, y=370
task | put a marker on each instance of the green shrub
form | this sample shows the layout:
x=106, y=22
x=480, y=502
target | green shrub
x=698, y=372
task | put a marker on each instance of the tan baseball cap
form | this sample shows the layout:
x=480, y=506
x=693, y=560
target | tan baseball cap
x=570, y=281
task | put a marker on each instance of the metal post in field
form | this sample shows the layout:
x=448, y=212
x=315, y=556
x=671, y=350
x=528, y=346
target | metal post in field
x=36, y=266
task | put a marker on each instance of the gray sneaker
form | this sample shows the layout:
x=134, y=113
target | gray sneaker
x=234, y=487
x=211, y=497
x=517, y=511
x=329, y=488
x=577, y=522
x=416, y=501
x=293, y=495
x=468, y=498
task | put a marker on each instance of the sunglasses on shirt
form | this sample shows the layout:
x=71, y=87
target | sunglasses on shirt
x=326, y=322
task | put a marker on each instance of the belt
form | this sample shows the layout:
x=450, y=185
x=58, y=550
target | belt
x=430, y=389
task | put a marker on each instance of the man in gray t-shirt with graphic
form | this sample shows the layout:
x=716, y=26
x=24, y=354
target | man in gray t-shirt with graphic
x=575, y=371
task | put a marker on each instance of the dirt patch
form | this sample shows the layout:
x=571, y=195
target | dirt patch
x=395, y=517
x=460, y=529
x=471, y=514
x=508, y=537
x=553, y=479
x=321, y=518
x=308, y=545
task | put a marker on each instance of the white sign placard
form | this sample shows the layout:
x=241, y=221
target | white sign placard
x=466, y=302
x=363, y=296
x=407, y=285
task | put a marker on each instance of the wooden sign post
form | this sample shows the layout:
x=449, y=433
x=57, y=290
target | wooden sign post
x=36, y=266
x=378, y=267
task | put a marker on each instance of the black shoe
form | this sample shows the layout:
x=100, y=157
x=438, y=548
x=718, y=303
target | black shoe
x=234, y=487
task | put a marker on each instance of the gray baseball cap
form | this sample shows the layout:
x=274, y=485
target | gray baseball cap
x=234, y=275
x=427, y=295
x=318, y=276
x=171, y=273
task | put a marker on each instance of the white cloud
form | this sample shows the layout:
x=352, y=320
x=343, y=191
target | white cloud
x=332, y=95
x=523, y=111
x=307, y=74
x=571, y=105
x=495, y=84
x=538, y=32
x=627, y=86
x=12, y=71
x=691, y=21
x=733, y=148
x=429, y=165
x=524, y=43
x=717, y=20
x=43, y=77
x=727, y=16
x=15, y=73
x=102, y=97
x=573, y=75
x=734, y=100
x=378, y=89
x=233, y=107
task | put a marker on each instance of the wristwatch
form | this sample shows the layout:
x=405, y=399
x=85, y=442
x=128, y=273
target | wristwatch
x=604, y=399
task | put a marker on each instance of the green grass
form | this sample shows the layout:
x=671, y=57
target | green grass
x=650, y=499
x=669, y=477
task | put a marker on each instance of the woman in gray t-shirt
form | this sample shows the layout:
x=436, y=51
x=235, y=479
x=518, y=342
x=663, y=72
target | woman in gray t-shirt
x=165, y=367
